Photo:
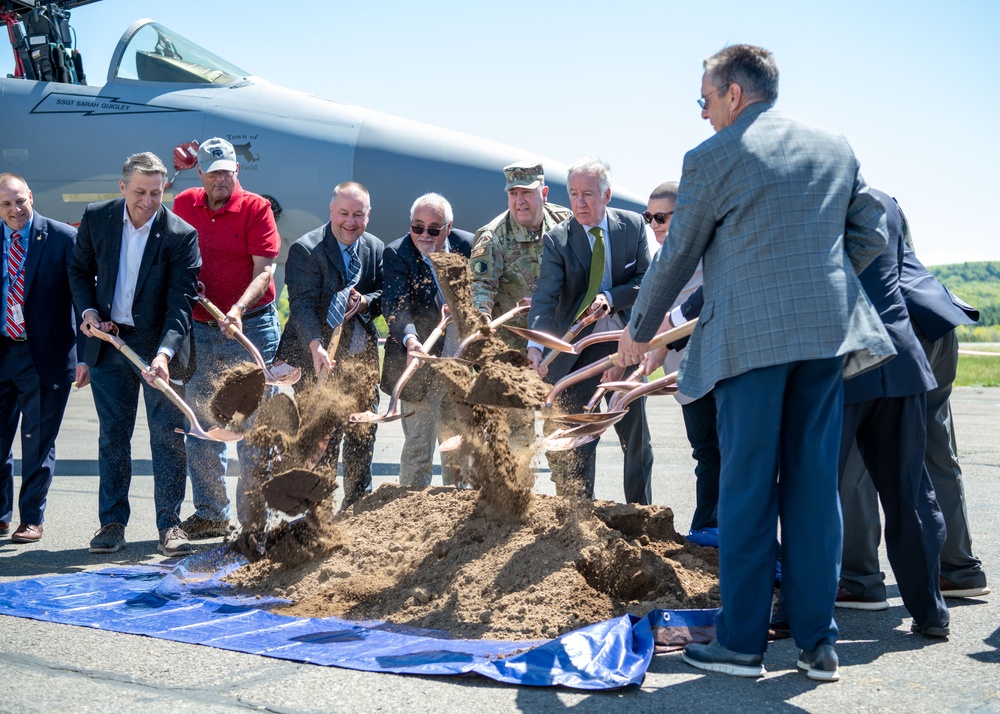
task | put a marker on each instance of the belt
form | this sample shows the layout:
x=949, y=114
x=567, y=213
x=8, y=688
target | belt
x=249, y=313
x=125, y=329
x=23, y=338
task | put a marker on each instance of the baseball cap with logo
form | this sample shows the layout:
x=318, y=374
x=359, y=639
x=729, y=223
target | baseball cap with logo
x=216, y=155
x=523, y=174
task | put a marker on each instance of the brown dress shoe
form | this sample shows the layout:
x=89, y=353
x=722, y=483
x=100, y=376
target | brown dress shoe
x=27, y=533
x=4, y=528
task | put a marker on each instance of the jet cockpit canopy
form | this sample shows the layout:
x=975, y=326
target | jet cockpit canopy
x=150, y=52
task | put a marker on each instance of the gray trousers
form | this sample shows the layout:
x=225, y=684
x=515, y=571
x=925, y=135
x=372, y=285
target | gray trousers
x=423, y=431
x=860, y=572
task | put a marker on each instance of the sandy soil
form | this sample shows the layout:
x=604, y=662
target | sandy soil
x=496, y=561
x=445, y=559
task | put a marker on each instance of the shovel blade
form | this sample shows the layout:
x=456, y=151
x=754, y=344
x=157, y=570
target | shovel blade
x=280, y=413
x=282, y=374
x=295, y=491
x=238, y=397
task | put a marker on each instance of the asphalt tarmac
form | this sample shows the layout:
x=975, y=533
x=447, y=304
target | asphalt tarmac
x=59, y=668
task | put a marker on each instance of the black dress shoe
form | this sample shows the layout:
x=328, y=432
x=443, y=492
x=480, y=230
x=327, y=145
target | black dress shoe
x=4, y=528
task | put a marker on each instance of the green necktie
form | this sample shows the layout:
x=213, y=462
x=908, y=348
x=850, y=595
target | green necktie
x=596, y=271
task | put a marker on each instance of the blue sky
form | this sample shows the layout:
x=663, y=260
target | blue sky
x=912, y=85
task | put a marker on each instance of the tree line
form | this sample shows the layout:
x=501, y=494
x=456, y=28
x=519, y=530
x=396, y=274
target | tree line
x=979, y=285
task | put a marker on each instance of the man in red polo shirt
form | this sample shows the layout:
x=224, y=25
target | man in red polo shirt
x=239, y=242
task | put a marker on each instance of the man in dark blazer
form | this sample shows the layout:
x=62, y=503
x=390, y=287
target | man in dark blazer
x=885, y=412
x=564, y=290
x=934, y=314
x=38, y=348
x=412, y=305
x=135, y=269
x=316, y=272
x=769, y=201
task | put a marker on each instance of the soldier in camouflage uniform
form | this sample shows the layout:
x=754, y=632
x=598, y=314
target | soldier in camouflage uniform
x=507, y=253
x=506, y=259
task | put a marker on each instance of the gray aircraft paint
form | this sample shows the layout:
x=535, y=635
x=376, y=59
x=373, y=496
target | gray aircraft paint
x=71, y=140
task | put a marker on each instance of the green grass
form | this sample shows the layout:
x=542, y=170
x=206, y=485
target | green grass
x=975, y=371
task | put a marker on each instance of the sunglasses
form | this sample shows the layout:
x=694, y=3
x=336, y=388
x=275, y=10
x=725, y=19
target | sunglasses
x=432, y=232
x=660, y=218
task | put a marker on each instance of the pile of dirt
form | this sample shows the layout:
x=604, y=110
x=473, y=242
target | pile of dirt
x=496, y=561
x=442, y=559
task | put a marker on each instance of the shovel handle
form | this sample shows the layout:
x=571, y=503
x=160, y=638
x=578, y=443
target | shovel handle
x=664, y=338
x=575, y=329
x=139, y=362
x=216, y=313
x=331, y=348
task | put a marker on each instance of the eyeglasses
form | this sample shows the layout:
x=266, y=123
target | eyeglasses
x=220, y=174
x=701, y=102
x=660, y=218
x=432, y=232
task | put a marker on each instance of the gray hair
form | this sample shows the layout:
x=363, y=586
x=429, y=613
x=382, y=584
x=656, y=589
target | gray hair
x=145, y=163
x=592, y=165
x=751, y=67
x=667, y=189
x=436, y=201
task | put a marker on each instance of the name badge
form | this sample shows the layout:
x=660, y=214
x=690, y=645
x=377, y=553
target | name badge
x=17, y=314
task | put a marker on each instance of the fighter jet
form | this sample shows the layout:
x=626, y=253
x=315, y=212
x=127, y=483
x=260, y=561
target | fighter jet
x=165, y=94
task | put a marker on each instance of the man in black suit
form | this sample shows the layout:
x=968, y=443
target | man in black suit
x=412, y=304
x=37, y=352
x=934, y=313
x=885, y=413
x=135, y=269
x=318, y=273
x=572, y=279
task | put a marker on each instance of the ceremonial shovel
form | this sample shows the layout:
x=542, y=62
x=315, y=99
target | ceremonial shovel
x=518, y=309
x=570, y=438
x=393, y=412
x=213, y=434
x=331, y=349
x=280, y=375
x=664, y=338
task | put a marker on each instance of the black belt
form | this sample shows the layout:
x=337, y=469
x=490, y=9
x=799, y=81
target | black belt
x=249, y=313
x=15, y=339
x=125, y=329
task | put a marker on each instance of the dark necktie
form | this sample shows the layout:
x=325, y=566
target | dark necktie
x=15, y=288
x=338, y=306
x=597, y=260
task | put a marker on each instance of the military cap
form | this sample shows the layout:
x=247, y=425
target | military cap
x=523, y=174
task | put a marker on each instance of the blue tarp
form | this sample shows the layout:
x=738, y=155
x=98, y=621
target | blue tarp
x=189, y=603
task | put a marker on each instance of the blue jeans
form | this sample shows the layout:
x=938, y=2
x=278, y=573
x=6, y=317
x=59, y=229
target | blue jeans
x=207, y=460
x=115, y=384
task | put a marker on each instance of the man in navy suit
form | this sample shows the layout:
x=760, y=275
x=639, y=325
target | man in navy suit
x=768, y=201
x=885, y=412
x=934, y=313
x=135, y=269
x=595, y=259
x=316, y=273
x=38, y=356
x=411, y=302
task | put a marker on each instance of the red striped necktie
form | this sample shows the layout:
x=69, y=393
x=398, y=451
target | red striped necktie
x=15, y=288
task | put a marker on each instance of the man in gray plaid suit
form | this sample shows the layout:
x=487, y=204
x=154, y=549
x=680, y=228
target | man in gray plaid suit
x=783, y=221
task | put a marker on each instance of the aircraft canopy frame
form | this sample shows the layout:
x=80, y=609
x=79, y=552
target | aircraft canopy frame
x=148, y=52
